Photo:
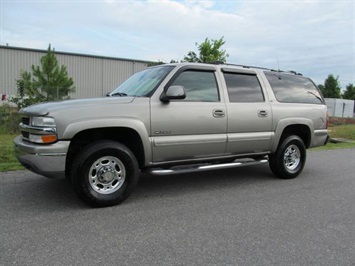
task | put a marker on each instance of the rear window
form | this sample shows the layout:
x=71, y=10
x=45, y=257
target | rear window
x=293, y=89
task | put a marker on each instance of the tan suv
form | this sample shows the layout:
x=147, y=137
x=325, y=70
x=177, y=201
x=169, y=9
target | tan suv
x=175, y=118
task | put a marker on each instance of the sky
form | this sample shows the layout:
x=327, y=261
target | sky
x=315, y=38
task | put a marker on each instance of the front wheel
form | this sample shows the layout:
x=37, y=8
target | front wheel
x=105, y=173
x=289, y=159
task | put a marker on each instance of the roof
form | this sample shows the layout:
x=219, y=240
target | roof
x=236, y=66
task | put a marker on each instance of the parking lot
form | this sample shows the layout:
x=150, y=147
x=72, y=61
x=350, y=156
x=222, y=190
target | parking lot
x=242, y=216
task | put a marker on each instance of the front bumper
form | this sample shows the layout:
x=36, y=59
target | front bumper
x=47, y=160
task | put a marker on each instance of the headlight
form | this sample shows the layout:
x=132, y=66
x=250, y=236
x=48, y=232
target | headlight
x=42, y=130
x=42, y=121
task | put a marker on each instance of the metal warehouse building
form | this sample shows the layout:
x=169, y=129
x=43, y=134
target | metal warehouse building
x=93, y=76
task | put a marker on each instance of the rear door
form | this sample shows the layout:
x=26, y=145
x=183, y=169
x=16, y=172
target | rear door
x=249, y=113
x=194, y=127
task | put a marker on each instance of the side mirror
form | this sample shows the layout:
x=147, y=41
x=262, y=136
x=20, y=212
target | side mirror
x=175, y=92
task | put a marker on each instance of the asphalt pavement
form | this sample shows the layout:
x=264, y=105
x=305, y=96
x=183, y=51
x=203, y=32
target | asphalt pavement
x=242, y=216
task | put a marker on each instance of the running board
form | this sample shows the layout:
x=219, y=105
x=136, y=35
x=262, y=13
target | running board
x=200, y=168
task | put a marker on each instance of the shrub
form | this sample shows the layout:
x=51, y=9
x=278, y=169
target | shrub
x=336, y=121
x=9, y=119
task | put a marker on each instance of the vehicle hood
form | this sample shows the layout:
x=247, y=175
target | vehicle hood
x=43, y=109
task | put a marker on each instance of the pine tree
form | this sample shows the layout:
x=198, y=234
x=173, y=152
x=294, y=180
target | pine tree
x=331, y=87
x=47, y=82
x=349, y=93
x=52, y=80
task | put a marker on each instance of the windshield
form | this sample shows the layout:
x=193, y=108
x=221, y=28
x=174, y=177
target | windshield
x=142, y=83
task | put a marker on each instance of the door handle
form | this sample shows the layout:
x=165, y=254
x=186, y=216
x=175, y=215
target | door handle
x=262, y=113
x=218, y=113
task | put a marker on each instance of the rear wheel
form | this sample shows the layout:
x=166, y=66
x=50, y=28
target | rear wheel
x=105, y=173
x=289, y=159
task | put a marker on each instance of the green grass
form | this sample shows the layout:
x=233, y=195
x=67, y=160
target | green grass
x=343, y=131
x=8, y=161
x=333, y=146
x=340, y=132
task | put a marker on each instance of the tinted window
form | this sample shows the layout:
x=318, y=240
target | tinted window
x=199, y=86
x=243, y=88
x=293, y=89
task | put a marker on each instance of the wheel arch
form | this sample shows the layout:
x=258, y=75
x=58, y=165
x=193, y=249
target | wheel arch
x=125, y=135
x=302, y=129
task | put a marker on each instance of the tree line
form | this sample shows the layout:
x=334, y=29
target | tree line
x=331, y=89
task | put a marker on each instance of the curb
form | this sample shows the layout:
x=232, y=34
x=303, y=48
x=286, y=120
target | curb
x=340, y=140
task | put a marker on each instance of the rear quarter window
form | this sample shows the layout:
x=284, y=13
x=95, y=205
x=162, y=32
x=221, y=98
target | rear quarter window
x=293, y=89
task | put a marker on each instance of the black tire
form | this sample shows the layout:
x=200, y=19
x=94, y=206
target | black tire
x=289, y=159
x=104, y=173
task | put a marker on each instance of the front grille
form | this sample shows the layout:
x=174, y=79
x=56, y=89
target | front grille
x=25, y=120
x=25, y=134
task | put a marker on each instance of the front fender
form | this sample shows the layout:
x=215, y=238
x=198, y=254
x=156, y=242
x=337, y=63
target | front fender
x=74, y=128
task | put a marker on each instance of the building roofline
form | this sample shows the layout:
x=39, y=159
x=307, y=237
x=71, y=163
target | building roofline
x=73, y=54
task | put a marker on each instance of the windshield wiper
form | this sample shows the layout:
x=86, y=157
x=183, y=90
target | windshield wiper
x=121, y=94
x=315, y=95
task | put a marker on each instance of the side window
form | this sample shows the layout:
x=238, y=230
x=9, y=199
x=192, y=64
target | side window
x=243, y=88
x=293, y=89
x=199, y=86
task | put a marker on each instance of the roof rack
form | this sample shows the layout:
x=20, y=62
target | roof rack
x=262, y=68
x=215, y=62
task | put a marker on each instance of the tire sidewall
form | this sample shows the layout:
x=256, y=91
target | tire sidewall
x=86, y=159
x=277, y=161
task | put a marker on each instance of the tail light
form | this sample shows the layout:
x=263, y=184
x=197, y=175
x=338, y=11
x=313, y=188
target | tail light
x=327, y=121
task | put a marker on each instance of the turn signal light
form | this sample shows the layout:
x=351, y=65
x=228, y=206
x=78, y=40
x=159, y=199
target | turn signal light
x=49, y=138
x=43, y=138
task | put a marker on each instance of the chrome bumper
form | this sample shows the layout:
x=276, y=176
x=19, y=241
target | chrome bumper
x=47, y=160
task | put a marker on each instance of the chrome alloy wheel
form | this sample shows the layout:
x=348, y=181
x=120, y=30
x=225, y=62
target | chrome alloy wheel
x=107, y=175
x=292, y=157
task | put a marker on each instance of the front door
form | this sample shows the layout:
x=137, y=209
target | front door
x=194, y=127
